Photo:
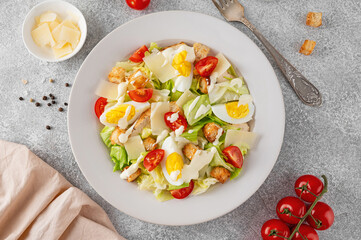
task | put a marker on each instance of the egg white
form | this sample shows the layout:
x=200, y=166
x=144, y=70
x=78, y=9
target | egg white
x=221, y=112
x=170, y=146
x=139, y=109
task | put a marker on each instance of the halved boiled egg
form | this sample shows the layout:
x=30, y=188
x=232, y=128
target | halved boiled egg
x=181, y=58
x=235, y=112
x=123, y=114
x=172, y=164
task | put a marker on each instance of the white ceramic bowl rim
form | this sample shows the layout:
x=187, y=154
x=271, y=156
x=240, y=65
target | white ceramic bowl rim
x=93, y=157
x=58, y=6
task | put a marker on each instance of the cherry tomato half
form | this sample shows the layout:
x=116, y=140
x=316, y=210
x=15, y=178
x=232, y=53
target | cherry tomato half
x=183, y=192
x=138, y=55
x=233, y=156
x=206, y=66
x=307, y=232
x=99, y=106
x=275, y=226
x=138, y=4
x=181, y=121
x=290, y=209
x=141, y=94
x=306, y=184
x=153, y=158
x=323, y=215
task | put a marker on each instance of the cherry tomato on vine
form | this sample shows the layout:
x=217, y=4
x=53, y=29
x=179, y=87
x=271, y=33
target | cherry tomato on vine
x=138, y=4
x=206, y=66
x=141, y=94
x=290, y=209
x=323, y=214
x=306, y=184
x=99, y=106
x=183, y=192
x=174, y=125
x=274, y=227
x=307, y=232
x=233, y=156
x=138, y=55
x=153, y=158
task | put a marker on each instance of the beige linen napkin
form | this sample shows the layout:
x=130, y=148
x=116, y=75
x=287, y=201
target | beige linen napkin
x=36, y=202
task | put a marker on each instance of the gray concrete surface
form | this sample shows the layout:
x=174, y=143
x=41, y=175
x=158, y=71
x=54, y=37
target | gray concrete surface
x=325, y=140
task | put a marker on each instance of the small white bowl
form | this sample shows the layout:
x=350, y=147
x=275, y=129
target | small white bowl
x=63, y=9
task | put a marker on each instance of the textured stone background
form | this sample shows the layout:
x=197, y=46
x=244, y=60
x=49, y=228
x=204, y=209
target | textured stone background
x=317, y=140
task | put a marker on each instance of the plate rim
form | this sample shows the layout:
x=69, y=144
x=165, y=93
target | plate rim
x=282, y=117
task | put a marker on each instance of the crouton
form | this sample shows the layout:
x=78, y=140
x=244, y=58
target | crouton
x=150, y=144
x=189, y=150
x=221, y=174
x=200, y=50
x=203, y=84
x=114, y=136
x=134, y=176
x=314, y=19
x=117, y=75
x=210, y=131
x=307, y=47
x=142, y=122
x=138, y=79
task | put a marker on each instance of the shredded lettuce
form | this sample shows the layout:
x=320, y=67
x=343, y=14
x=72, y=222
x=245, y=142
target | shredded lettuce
x=228, y=91
x=232, y=71
x=235, y=173
x=218, y=160
x=202, y=185
x=154, y=45
x=118, y=154
x=105, y=135
x=163, y=195
x=172, y=187
x=195, y=86
x=174, y=96
x=191, y=113
x=146, y=132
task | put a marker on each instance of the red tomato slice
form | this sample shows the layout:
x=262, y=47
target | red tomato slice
x=306, y=185
x=305, y=232
x=153, y=158
x=141, y=94
x=181, y=121
x=206, y=66
x=274, y=227
x=138, y=4
x=233, y=156
x=99, y=106
x=139, y=54
x=291, y=209
x=183, y=192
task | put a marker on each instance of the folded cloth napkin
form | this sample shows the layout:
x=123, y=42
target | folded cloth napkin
x=36, y=202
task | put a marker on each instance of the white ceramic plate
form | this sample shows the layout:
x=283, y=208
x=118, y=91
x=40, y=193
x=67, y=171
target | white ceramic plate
x=64, y=10
x=168, y=28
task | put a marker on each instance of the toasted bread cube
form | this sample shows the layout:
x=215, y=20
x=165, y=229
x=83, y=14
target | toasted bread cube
x=150, y=144
x=115, y=135
x=307, y=47
x=117, y=75
x=203, y=84
x=138, y=79
x=221, y=174
x=201, y=51
x=314, y=19
x=189, y=150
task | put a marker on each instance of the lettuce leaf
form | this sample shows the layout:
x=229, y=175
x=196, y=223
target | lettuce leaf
x=228, y=91
x=218, y=160
x=163, y=195
x=118, y=154
x=202, y=185
x=127, y=65
x=105, y=135
x=174, y=96
x=154, y=45
x=191, y=113
x=235, y=173
x=232, y=71
x=172, y=187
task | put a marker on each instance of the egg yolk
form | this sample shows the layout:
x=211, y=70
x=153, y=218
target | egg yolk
x=181, y=65
x=118, y=112
x=173, y=163
x=236, y=111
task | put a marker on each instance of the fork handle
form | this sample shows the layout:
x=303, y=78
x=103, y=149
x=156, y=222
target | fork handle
x=305, y=90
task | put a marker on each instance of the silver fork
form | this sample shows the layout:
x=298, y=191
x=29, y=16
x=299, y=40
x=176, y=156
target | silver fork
x=233, y=11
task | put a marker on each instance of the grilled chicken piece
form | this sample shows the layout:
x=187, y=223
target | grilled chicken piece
x=201, y=51
x=221, y=174
x=150, y=144
x=138, y=79
x=203, y=84
x=134, y=176
x=142, y=122
x=174, y=107
x=117, y=75
x=210, y=131
x=189, y=150
x=115, y=134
